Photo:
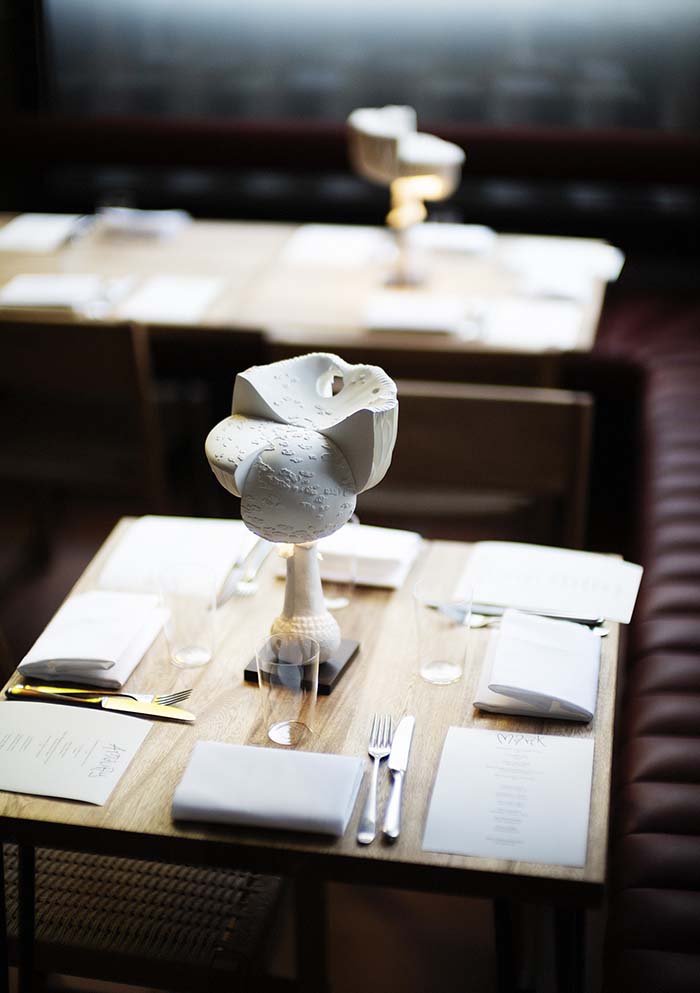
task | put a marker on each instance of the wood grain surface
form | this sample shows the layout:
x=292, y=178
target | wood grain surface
x=297, y=305
x=137, y=819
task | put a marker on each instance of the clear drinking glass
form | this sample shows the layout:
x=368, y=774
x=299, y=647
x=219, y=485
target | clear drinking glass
x=442, y=630
x=188, y=592
x=288, y=680
x=340, y=586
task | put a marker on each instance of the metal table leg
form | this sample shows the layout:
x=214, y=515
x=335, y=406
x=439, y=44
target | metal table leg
x=505, y=946
x=570, y=949
x=25, y=905
x=4, y=936
x=310, y=925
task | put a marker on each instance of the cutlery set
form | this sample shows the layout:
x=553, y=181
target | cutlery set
x=484, y=614
x=139, y=704
x=383, y=742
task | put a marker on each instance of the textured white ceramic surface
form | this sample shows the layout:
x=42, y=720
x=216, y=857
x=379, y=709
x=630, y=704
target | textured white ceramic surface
x=384, y=144
x=422, y=154
x=374, y=134
x=296, y=454
x=305, y=436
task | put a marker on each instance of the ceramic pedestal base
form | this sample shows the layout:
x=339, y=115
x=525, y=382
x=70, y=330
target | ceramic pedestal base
x=304, y=611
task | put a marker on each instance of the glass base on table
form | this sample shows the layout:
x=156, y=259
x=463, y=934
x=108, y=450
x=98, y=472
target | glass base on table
x=440, y=673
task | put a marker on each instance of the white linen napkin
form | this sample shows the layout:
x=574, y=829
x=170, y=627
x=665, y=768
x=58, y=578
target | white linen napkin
x=269, y=788
x=143, y=223
x=378, y=556
x=540, y=667
x=153, y=543
x=96, y=638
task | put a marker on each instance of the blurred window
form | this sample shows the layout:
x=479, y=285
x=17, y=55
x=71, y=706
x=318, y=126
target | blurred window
x=502, y=63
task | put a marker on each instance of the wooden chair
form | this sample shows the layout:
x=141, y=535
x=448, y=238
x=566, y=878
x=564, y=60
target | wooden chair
x=475, y=462
x=173, y=927
x=78, y=411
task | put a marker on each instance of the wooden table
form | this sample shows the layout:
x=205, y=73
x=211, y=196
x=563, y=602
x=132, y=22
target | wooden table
x=136, y=821
x=302, y=307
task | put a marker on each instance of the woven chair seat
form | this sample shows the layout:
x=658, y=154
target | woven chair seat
x=124, y=920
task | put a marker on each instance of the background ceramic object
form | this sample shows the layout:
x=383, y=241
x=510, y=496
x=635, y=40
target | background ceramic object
x=374, y=134
x=305, y=436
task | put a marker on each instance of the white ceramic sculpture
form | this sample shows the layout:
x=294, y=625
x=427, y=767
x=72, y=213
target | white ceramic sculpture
x=297, y=453
x=386, y=148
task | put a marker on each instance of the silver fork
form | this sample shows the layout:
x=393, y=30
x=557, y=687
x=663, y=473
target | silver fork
x=380, y=734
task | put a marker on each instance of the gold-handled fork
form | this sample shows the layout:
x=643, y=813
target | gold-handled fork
x=380, y=734
x=164, y=699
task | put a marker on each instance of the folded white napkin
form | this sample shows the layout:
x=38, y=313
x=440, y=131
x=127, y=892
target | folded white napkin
x=269, y=788
x=376, y=556
x=39, y=232
x=143, y=223
x=154, y=543
x=96, y=638
x=540, y=667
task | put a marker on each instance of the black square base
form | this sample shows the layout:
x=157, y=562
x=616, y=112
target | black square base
x=328, y=672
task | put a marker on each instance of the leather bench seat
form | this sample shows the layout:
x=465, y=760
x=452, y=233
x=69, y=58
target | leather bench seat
x=653, y=930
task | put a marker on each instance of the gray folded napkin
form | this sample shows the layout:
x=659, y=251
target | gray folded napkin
x=97, y=638
x=269, y=788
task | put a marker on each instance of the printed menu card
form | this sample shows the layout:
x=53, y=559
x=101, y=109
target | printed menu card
x=63, y=751
x=552, y=580
x=508, y=795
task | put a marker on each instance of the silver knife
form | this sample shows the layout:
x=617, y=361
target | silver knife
x=398, y=761
x=246, y=571
x=494, y=610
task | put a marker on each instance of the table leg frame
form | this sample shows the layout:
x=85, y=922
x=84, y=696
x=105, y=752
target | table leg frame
x=311, y=926
x=26, y=916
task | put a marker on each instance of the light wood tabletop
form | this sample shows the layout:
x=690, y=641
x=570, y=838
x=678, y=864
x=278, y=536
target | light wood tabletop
x=383, y=677
x=298, y=301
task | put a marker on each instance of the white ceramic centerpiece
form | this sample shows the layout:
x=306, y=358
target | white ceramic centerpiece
x=305, y=436
x=386, y=148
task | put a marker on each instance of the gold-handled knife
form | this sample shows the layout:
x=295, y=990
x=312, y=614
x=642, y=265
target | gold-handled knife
x=136, y=707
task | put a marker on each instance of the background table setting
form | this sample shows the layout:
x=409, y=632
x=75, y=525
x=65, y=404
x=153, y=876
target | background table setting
x=180, y=797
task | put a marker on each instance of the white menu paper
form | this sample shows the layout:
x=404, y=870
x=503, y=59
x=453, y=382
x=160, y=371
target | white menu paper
x=508, y=795
x=65, y=751
x=174, y=299
x=553, y=580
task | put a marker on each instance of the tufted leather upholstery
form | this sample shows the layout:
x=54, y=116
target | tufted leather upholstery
x=653, y=932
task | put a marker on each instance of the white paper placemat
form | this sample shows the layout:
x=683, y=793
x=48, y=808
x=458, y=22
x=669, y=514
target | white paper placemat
x=504, y=795
x=153, y=542
x=172, y=299
x=338, y=246
x=47, y=749
x=552, y=580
